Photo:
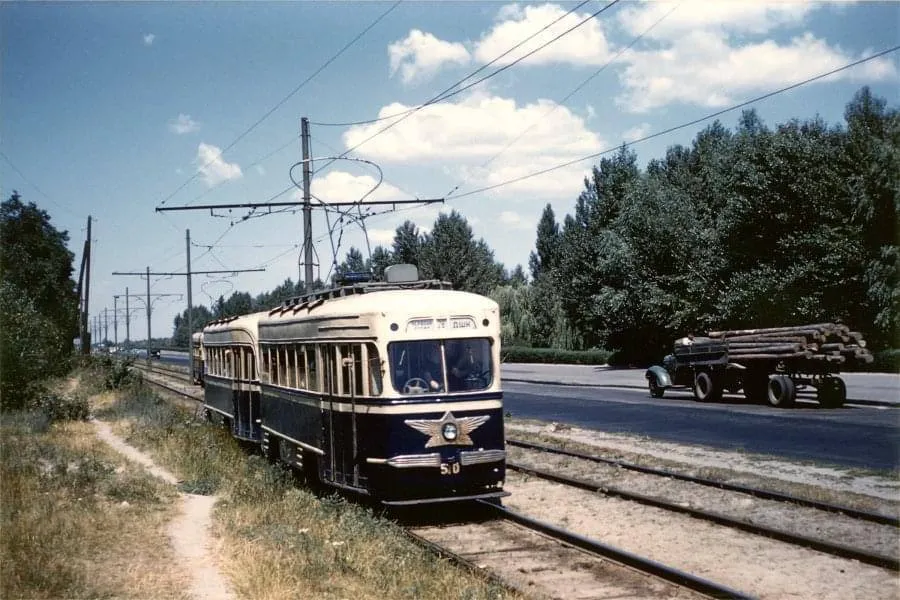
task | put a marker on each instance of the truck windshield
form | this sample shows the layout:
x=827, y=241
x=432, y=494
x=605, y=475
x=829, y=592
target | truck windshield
x=438, y=366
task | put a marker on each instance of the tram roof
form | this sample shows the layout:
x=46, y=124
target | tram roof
x=249, y=322
x=369, y=298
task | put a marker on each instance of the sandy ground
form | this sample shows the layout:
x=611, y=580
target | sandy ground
x=752, y=564
x=189, y=531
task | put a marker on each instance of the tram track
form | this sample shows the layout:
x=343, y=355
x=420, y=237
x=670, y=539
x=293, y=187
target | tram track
x=560, y=559
x=535, y=556
x=514, y=565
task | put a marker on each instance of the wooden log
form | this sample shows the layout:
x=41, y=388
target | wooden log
x=766, y=349
x=776, y=337
x=818, y=327
x=773, y=357
x=829, y=347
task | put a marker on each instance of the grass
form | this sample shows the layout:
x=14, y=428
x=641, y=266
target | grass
x=272, y=537
x=77, y=520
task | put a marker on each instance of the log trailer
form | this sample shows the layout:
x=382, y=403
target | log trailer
x=768, y=364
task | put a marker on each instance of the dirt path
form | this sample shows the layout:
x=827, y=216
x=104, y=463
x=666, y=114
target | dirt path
x=189, y=532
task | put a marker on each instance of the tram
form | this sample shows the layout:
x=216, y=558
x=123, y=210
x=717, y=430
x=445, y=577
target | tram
x=387, y=389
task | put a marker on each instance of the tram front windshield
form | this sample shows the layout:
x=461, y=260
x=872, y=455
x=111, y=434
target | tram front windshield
x=439, y=366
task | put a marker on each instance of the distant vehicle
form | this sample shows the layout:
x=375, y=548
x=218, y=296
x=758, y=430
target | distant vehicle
x=154, y=354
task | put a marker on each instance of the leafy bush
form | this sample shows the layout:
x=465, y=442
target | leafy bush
x=555, y=356
x=63, y=407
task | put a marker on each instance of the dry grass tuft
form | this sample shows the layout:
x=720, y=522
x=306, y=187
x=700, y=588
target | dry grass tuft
x=77, y=520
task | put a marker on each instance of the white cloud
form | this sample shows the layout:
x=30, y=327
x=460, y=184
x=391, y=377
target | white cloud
x=148, y=39
x=713, y=54
x=340, y=186
x=183, y=124
x=480, y=141
x=754, y=17
x=212, y=167
x=514, y=220
x=261, y=170
x=585, y=45
x=381, y=237
x=420, y=55
x=702, y=68
x=636, y=132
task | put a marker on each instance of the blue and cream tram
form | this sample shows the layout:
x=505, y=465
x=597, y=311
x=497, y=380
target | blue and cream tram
x=388, y=389
x=231, y=377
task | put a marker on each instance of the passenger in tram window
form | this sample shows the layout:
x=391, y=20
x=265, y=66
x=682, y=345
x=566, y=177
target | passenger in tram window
x=467, y=371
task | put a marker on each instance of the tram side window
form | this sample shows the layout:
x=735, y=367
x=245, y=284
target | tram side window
x=345, y=356
x=226, y=370
x=312, y=370
x=374, y=369
x=251, y=364
x=290, y=367
x=301, y=366
x=266, y=362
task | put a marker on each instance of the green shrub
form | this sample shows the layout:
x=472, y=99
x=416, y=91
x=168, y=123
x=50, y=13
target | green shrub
x=62, y=407
x=554, y=356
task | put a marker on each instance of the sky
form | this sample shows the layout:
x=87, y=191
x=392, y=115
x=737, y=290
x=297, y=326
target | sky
x=118, y=110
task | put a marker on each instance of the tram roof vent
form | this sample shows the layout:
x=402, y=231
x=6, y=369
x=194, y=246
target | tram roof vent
x=401, y=273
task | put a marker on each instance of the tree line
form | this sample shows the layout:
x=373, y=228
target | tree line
x=744, y=228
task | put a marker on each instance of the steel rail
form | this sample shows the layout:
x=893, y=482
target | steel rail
x=645, y=565
x=731, y=487
x=840, y=550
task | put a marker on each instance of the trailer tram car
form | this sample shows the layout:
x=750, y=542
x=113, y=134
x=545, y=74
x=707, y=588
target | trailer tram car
x=231, y=380
x=386, y=389
x=197, y=358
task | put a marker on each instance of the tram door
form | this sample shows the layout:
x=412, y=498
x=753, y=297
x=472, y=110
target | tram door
x=340, y=425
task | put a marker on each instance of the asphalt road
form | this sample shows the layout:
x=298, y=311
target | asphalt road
x=867, y=438
x=860, y=437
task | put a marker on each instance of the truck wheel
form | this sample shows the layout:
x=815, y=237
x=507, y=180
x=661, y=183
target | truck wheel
x=782, y=391
x=707, y=388
x=656, y=390
x=832, y=393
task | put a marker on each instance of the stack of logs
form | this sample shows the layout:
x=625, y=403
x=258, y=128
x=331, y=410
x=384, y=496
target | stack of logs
x=830, y=342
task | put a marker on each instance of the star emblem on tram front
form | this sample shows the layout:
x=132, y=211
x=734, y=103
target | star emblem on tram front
x=448, y=429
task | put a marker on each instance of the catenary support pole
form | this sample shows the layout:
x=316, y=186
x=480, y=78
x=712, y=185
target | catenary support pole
x=307, y=207
x=190, y=323
x=148, y=316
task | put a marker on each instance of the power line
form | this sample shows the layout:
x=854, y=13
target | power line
x=446, y=95
x=449, y=93
x=286, y=98
x=682, y=126
x=574, y=91
x=35, y=187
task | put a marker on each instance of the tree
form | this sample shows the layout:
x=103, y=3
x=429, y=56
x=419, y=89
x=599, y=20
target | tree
x=543, y=258
x=872, y=165
x=451, y=253
x=35, y=259
x=407, y=243
x=38, y=303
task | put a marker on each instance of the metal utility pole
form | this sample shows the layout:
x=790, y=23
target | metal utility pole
x=190, y=323
x=306, y=259
x=116, y=322
x=147, y=273
x=148, y=315
x=84, y=287
x=127, y=319
x=307, y=207
x=105, y=325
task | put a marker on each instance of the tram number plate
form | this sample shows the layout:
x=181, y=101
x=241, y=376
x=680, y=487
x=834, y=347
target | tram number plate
x=450, y=468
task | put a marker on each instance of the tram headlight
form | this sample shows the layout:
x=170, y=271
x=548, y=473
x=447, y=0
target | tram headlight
x=449, y=431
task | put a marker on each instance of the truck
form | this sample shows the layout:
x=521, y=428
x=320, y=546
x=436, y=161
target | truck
x=768, y=364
